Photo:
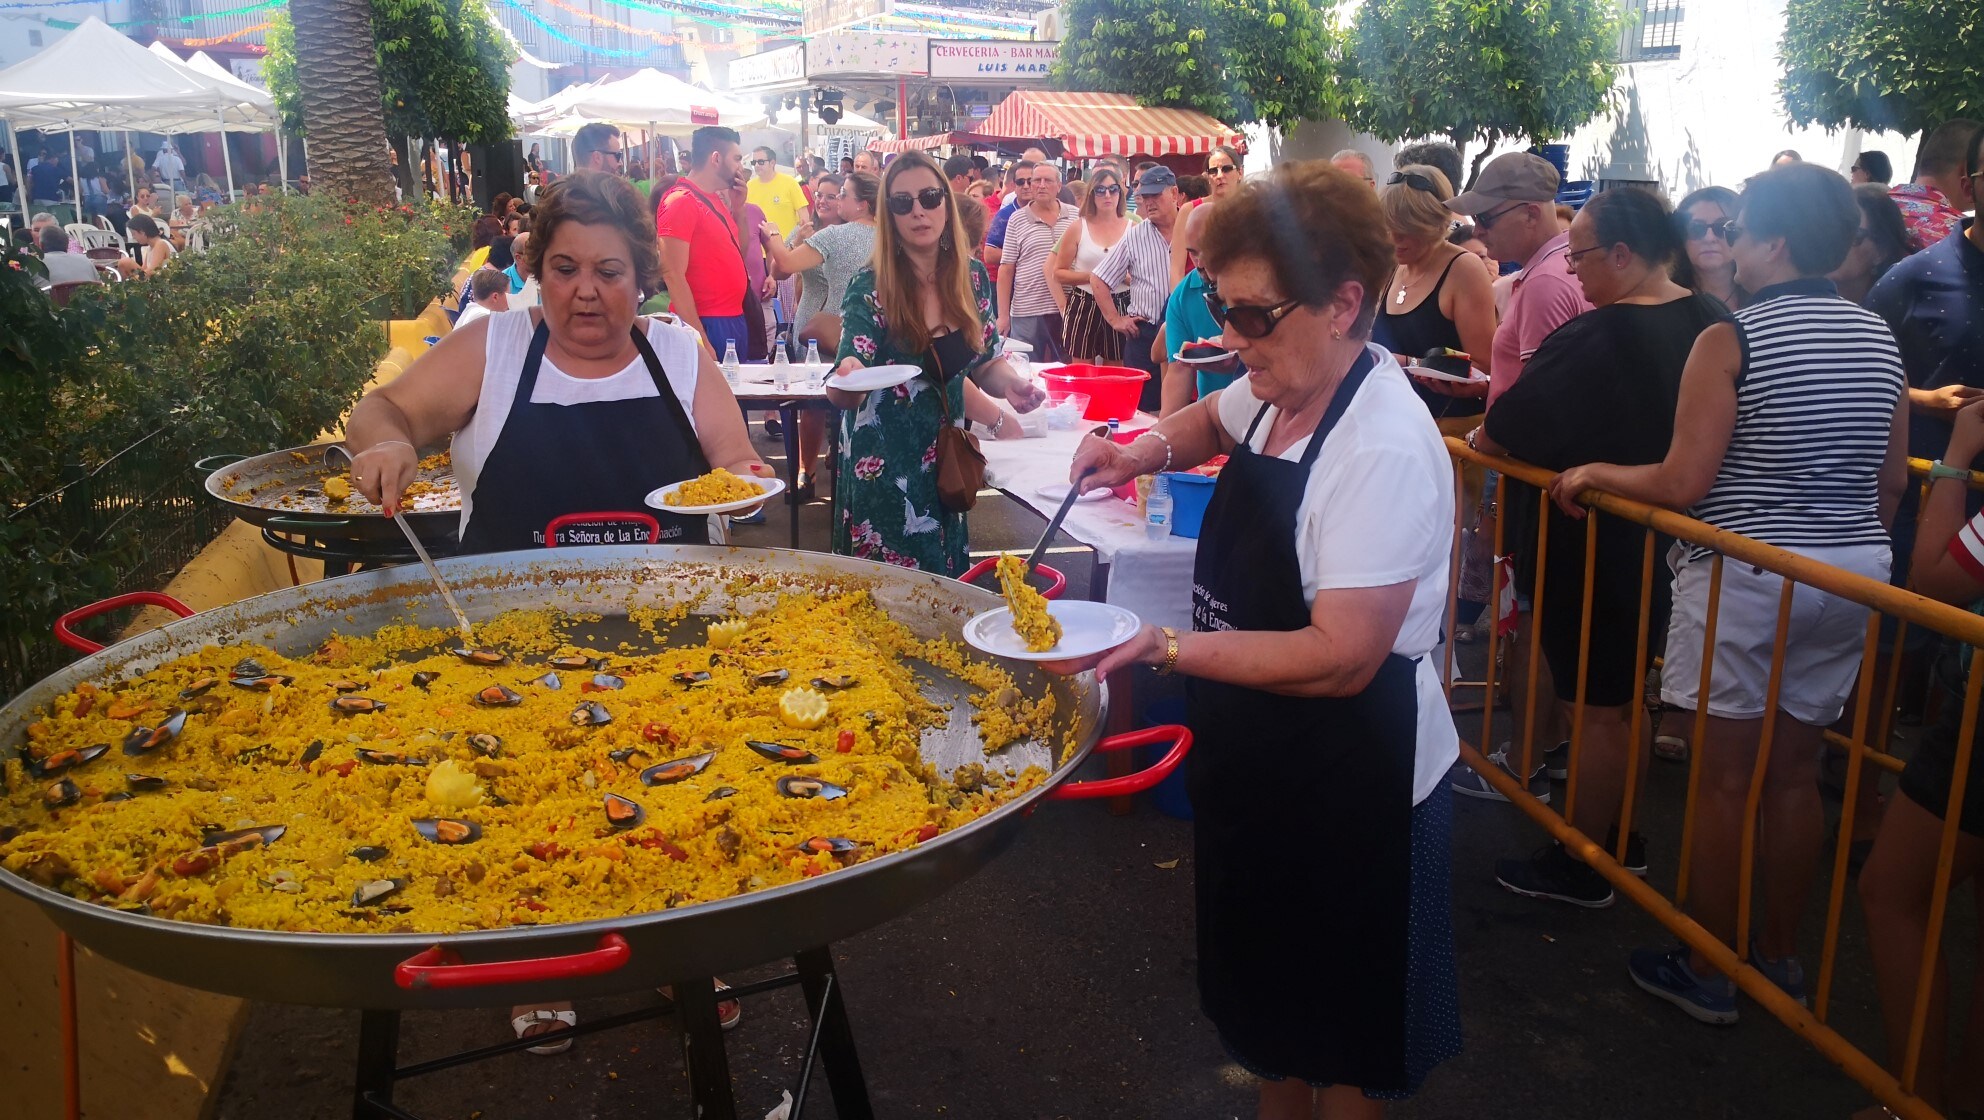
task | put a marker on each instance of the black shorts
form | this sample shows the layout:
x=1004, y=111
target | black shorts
x=1613, y=678
x=1926, y=778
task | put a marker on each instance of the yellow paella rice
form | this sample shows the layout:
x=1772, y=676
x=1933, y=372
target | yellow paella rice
x=714, y=488
x=385, y=784
x=1040, y=630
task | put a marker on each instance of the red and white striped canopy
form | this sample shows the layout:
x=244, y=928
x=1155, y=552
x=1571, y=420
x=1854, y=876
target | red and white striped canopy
x=1091, y=125
x=918, y=143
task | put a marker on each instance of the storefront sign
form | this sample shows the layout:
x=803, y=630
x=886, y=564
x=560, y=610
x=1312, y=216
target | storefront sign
x=817, y=17
x=997, y=61
x=769, y=68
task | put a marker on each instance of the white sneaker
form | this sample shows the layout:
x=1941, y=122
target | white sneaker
x=1462, y=779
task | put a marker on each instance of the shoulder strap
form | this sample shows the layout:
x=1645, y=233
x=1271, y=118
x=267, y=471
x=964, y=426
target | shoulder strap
x=1451, y=261
x=667, y=391
x=1248, y=439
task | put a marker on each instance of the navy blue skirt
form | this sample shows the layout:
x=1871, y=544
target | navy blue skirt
x=1432, y=979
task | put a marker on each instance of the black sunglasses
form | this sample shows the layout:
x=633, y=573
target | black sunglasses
x=1412, y=179
x=1728, y=230
x=1247, y=321
x=1487, y=221
x=1699, y=229
x=1221, y=169
x=760, y=162
x=930, y=198
x=1110, y=191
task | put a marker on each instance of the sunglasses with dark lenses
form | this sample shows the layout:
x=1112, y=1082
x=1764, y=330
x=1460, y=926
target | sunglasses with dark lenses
x=1728, y=230
x=930, y=198
x=759, y=162
x=1412, y=179
x=1487, y=221
x=1247, y=321
x=1110, y=191
x=1222, y=169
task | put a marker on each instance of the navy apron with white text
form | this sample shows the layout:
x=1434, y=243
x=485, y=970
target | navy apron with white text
x=554, y=459
x=1302, y=809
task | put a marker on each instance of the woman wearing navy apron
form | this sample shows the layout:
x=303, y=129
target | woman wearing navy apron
x=1322, y=733
x=578, y=405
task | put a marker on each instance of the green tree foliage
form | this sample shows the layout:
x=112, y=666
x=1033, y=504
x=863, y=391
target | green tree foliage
x=1272, y=61
x=1901, y=65
x=1481, y=71
x=443, y=69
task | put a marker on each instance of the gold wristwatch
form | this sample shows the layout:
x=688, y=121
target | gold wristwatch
x=1170, y=664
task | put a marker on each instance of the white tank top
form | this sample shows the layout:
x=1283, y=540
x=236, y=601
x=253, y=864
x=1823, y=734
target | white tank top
x=675, y=345
x=1089, y=253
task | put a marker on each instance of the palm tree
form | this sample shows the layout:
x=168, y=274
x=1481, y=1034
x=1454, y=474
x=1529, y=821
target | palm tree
x=337, y=68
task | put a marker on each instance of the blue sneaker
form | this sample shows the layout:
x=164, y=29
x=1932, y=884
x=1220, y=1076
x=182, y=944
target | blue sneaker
x=1785, y=972
x=1666, y=974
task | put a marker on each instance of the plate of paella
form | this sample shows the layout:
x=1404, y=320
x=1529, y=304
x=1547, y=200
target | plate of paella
x=719, y=491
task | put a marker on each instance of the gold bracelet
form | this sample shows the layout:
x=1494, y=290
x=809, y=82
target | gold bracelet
x=1170, y=652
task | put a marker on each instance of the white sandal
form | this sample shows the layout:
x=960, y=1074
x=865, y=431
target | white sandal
x=523, y=1023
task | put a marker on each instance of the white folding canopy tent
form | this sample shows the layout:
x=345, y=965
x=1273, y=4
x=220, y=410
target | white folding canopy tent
x=94, y=78
x=255, y=112
x=205, y=64
x=664, y=105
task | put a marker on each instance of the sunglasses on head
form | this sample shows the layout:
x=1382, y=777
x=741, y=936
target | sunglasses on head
x=1247, y=321
x=1412, y=179
x=930, y=198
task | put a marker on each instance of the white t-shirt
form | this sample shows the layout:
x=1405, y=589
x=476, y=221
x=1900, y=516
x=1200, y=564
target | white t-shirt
x=471, y=313
x=1379, y=510
x=678, y=348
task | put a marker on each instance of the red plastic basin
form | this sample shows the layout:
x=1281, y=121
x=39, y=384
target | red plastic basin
x=1112, y=391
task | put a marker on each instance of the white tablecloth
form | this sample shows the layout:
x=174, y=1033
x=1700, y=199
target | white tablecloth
x=1152, y=579
x=755, y=380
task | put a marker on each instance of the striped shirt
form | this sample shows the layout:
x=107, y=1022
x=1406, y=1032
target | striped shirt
x=1144, y=255
x=1029, y=242
x=1968, y=546
x=1815, y=407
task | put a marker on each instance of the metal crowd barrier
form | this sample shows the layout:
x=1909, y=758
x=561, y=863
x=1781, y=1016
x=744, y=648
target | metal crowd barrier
x=1895, y=1091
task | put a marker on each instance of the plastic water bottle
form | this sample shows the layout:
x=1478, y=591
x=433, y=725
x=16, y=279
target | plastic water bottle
x=730, y=371
x=781, y=365
x=1157, y=509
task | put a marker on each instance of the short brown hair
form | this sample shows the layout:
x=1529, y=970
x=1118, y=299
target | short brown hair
x=1315, y=226
x=595, y=198
x=1810, y=207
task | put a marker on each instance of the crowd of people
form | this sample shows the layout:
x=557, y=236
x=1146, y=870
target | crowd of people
x=1763, y=359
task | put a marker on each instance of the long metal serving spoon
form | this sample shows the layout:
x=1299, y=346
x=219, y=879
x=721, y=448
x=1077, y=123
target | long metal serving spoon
x=420, y=550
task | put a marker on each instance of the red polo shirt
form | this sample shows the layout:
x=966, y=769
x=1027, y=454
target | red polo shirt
x=716, y=265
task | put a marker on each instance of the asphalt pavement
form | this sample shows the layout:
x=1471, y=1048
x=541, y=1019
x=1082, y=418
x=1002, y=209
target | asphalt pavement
x=1059, y=983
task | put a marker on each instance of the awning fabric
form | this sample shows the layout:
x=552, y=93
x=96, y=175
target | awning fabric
x=1091, y=125
x=94, y=78
x=920, y=143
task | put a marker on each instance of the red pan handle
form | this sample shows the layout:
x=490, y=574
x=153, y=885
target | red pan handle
x=68, y=636
x=1055, y=580
x=441, y=967
x=564, y=519
x=1178, y=735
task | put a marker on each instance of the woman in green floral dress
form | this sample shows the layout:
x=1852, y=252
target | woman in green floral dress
x=921, y=302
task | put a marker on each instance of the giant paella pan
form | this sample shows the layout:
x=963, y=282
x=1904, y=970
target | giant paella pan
x=716, y=751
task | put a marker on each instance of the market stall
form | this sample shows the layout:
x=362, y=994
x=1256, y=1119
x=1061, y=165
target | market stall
x=1093, y=125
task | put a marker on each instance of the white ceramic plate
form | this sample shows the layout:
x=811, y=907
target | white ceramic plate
x=1086, y=628
x=870, y=378
x=1209, y=359
x=767, y=486
x=1055, y=491
x=1428, y=371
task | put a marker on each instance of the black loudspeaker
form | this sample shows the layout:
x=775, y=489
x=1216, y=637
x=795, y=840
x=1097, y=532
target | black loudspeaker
x=499, y=169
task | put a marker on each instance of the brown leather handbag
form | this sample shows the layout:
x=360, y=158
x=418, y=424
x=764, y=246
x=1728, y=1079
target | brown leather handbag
x=960, y=463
